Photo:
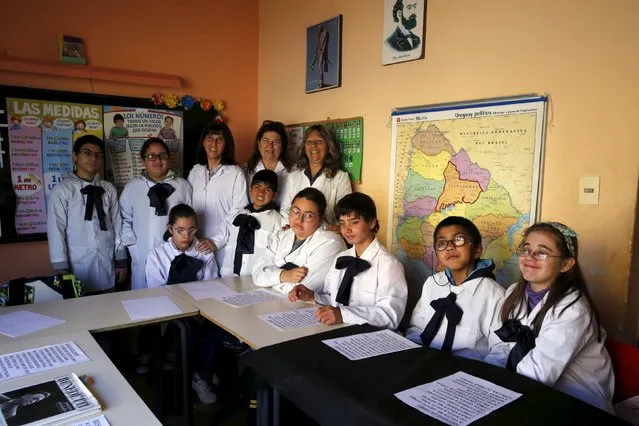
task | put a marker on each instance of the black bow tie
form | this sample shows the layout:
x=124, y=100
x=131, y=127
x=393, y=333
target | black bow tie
x=443, y=306
x=353, y=267
x=158, y=194
x=247, y=225
x=514, y=331
x=184, y=269
x=94, y=197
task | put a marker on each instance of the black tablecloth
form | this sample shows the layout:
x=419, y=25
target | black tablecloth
x=336, y=391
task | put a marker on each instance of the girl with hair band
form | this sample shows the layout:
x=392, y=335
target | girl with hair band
x=302, y=254
x=366, y=283
x=459, y=306
x=84, y=224
x=271, y=153
x=319, y=161
x=551, y=331
x=219, y=188
x=145, y=204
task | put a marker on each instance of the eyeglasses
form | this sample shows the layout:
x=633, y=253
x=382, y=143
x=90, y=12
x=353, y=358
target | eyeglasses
x=294, y=212
x=91, y=154
x=457, y=241
x=154, y=157
x=182, y=232
x=537, y=254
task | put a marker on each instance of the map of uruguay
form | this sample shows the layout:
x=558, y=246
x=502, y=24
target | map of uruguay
x=480, y=168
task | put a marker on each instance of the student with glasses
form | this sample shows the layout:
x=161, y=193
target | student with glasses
x=84, y=223
x=318, y=167
x=551, y=331
x=459, y=306
x=302, y=254
x=271, y=153
x=145, y=204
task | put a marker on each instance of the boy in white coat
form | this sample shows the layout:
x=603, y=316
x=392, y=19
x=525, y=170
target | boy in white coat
x=251, y=229
x=459, y=307
x=551, y=330
x=302, y=254
x=366, y=283
x=145, y=204
x=84, y=224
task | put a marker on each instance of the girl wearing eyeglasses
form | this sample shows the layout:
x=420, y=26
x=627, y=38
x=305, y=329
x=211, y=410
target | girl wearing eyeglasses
x=177, y=260
x=459, y=306
x=551, y=331
x=302, y=254
x=319, y=162
x=84, y=223
x=145, y=204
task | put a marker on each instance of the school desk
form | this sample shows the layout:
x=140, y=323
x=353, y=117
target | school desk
x=335, y=391
x=244, y=323
x=120, y=404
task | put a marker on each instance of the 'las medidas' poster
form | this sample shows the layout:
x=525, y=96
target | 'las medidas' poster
x=41, y=137
x=126, y=129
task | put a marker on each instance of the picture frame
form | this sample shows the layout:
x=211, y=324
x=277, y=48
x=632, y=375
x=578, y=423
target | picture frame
x=404, y=34
x=324, y=55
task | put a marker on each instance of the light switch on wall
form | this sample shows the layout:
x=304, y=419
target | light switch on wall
x=589, y=190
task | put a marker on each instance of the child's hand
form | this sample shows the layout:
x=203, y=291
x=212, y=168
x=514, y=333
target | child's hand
x=295, y=275
x=286, y=227
x=329, y=315
x=301, y=292
x=206, y=246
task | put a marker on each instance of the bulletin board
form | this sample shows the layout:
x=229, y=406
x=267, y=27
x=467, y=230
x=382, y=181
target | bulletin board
x=38, y=128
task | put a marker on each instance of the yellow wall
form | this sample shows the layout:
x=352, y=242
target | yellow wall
x=583, y=54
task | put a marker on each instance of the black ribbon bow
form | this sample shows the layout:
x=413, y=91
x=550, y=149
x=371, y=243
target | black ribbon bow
x=94, y=197
x=245, y=238
x=184, y=269
x=288, y=266
x=353, y=267
x=514, y=331
x=443, y=306
x=158, y=194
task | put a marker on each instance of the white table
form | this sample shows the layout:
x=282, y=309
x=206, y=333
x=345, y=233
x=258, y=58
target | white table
x=244, y=323
x=120, y=404
x=98, y=313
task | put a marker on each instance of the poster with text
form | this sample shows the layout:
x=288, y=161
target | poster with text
x=41, y=137
x=125, y=131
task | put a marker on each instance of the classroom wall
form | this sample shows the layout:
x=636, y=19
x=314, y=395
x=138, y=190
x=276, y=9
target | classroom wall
x=211, y=45
x=581, y=53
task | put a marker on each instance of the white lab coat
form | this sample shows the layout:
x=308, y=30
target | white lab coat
x=282, y=179
x=270, y=223
x=317, y=253
x=378, y=294
x=217, y=200
x=333, y=189
x=78, y=244
x=567, y=354
x=479, y=298
x=158, y=263
x=142, y=229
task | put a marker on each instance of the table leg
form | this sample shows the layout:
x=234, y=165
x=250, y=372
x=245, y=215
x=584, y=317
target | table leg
x=276, y=407
x=186, y=389
x=263, y=405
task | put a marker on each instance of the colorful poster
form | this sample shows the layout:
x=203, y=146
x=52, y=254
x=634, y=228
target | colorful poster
x=349, y=136
x=126, y=129
x=41, y=136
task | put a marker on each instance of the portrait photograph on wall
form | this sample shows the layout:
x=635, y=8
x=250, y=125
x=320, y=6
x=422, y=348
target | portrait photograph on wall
x=404, y=31
x=324, y=55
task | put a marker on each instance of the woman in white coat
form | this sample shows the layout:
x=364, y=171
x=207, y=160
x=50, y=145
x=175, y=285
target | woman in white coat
x=145, y=204
x=319, y=162
x=302, y=254
x=84, y=224
x=271, y=153
x=366, y=283
x=219, y=188
x=551, y=331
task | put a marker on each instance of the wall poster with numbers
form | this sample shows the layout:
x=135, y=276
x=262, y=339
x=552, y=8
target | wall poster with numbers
x=349, y=136
x=479, y=160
